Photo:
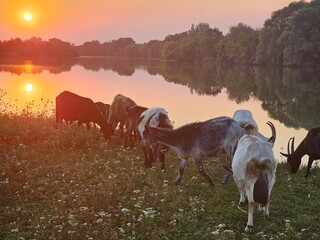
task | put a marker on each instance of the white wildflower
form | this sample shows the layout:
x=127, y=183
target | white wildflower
x=149, y=212
x=124, y=210
x=221, y=225
x=99, y=220
x=83, y=208
x=216, y=232
x=102, y=214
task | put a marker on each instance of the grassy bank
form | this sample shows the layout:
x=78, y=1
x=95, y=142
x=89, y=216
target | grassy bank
x=67, y=183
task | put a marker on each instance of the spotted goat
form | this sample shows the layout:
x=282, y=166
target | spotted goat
x=154, y=117
x=196, y=141
x=254, y=172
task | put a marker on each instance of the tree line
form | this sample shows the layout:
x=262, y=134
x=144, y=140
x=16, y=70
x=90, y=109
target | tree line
x=290, y=37
x=36, y=47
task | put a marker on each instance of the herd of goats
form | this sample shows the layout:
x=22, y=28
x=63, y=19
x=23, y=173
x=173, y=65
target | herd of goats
x=252, y=162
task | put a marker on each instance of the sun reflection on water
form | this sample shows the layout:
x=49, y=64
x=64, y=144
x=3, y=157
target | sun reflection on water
x=28, y=67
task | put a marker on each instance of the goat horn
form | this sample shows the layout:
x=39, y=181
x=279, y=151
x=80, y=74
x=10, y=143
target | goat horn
x=288, y=146
x=292, y=145
x=272, y=139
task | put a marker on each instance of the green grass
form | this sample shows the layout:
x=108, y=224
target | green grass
x=64, y=182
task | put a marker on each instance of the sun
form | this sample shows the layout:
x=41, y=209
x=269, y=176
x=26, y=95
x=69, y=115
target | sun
x=29, y=87
x=27, y=16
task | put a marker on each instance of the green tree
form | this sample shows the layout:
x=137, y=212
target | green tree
x=239, y=45
x=291, y=36
x=170, y=50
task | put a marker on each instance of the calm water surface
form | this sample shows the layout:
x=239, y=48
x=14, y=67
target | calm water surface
x=289, y=98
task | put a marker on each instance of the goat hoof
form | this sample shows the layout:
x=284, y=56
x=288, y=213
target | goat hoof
x=225, y=182
x=249, y=229
x=243, y=203
x=211, y=184
x=177, y=182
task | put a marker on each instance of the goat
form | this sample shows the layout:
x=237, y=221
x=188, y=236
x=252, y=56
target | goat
x=72, y=107
x=155, y=117
x=196, y=141
x=310, y=145
x=254, y=168
x=119, y=114
x=117, y=110
x=244, y=117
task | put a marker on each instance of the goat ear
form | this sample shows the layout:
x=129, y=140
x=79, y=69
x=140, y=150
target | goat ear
x=249, y=128
x=284, y=154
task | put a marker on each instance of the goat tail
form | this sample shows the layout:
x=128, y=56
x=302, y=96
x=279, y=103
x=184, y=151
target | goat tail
x=261, y=171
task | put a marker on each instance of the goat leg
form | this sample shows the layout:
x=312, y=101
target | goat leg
x=310, y=161
x=181, y=170
x=249, y=192
x=203, y=172
x=226, y=177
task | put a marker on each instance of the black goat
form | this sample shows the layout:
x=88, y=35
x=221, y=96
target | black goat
x=310, y=145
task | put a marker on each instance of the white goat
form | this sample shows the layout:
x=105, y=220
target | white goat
x=254, y=172
x=154, y=117
x=244, y=117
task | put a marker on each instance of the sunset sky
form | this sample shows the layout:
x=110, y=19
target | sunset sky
x=78, y=21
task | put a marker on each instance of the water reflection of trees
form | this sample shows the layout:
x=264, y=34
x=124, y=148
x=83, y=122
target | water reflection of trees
x=122, y=66
x=288, y=95
x=37, y=65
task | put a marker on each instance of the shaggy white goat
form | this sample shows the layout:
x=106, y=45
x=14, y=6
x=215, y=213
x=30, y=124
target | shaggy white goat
x=254, y=172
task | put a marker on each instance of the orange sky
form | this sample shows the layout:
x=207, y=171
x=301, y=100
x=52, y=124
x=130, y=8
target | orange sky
x=78, y=21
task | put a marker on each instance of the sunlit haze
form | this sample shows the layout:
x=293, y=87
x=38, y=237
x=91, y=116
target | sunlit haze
x=143, y=20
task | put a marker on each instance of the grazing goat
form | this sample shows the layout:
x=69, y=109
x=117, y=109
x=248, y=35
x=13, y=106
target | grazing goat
x=72, y=107
x=244, y=117
x=120, y=113
x=117, y=110
x=254, y=169
x=154, y=117
x=310, y=145
x=103, y=109
x=197, y=140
